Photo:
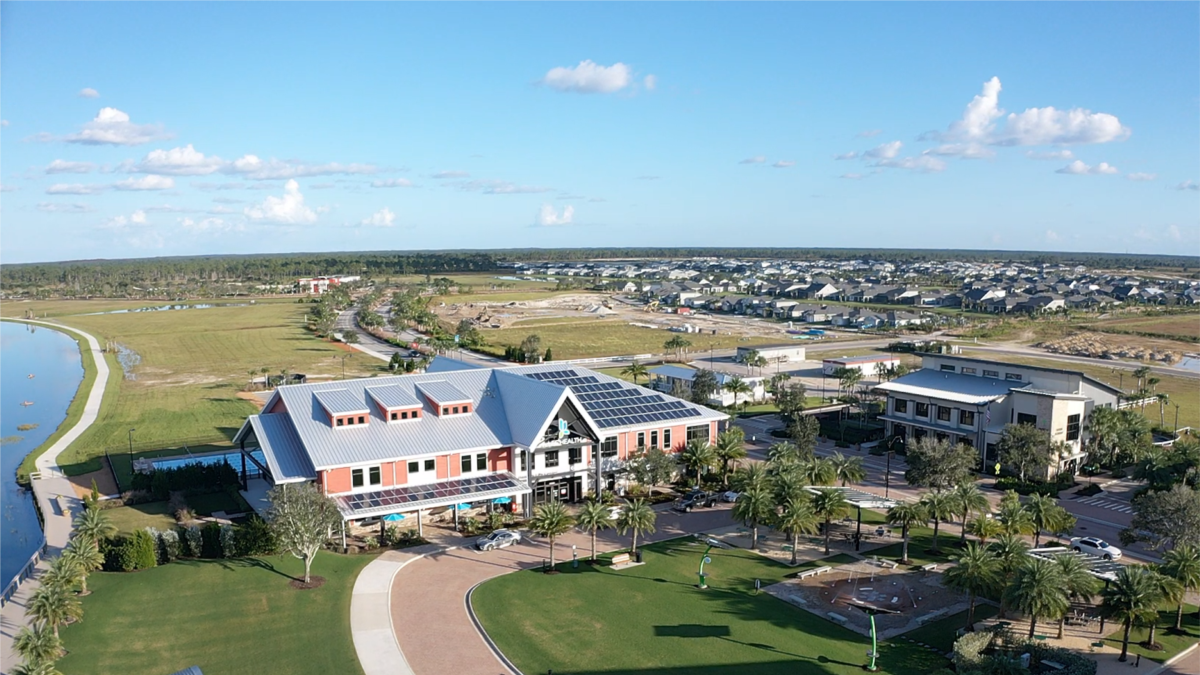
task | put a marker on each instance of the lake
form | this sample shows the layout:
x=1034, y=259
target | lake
x=53, y=360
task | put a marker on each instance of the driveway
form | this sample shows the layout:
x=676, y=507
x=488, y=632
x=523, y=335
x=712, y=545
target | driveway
x=428, y=606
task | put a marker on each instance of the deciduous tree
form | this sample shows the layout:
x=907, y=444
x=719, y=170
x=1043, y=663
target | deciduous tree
x=301, y=518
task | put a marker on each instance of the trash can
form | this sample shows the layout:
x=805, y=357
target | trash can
x=638, y=558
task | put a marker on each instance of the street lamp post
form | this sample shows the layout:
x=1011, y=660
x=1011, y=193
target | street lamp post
x=887, y=475
x=131, y=444
x=344, y=357
x=703, y=560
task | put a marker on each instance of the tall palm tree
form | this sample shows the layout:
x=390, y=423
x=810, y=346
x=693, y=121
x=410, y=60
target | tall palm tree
x=738, y=387
x=906, y=514
x=1036, y=590
x=797, y=518
x=754, y=506
x=595, y=515
x=87, y=555
x=94, y=524
x=847, y=469
x=817, y=471
x=789, y=484
x=44, y=668
x=551, y=520
x=1182, y=564
x=1077, y=581
x=829, y=504
x=37, y=644
x=638, y=518
x=1041, y=511
x=939, y=506
x=1011, y=550
x=1013, y=515
x=54, y=606
x=636, y=370
x=985, y=528
x=730, y=447
x=1169, y=591
x=976, y=571
x=698, y=456
x=1163, y=400
x=1132, y=597
x=65, y=572
x=783, y=453
x=968, y=499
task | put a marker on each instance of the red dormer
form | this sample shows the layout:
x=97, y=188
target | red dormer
x=395, y=403
x=446, y=399
x=343, y=408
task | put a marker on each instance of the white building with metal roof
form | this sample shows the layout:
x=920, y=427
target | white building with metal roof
x=455, y=435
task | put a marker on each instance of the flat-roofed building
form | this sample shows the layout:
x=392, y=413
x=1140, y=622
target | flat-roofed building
x=870, y=366
x=787, y=352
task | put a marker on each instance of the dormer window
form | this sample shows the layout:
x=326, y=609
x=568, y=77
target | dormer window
x=343, y=408
x=445, y=398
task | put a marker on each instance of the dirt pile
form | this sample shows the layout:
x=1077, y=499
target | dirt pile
x=1100, y=346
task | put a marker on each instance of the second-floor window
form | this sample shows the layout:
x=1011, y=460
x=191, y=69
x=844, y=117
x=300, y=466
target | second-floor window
x=900, y=405
x=551, y=458
x=481, y=462
x=991, y=373
x=574, y=456
x=641, y=439
x=368, y=477
x=608, y=447
x=465, y=463
x=654, y=439
x=1026, y=418
x=966, y=417
x=943, y=413
x=922, y=410
x=698, y=432
x=946, y=367
x=666, y=439
x=1072, y=427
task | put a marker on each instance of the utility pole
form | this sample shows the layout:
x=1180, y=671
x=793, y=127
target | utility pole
x=133, y=430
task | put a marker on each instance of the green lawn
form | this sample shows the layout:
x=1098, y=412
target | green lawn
x=1172, y=642
x=139, y=516
x=652, y=619
x=942, y=633
x=612, y=338
x=226, y=616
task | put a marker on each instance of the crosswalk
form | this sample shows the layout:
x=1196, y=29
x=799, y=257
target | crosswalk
x=1112, y=504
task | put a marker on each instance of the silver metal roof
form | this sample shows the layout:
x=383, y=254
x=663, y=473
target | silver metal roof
x=954, y=387
x=1096, y=566
x=442, y=392
x=340, y=402
x=281, y=446
x=856, y=497
x=392, y=396
x=533, y=404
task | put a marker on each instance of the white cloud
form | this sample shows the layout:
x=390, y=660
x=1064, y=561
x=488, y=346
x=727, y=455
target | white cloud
x=391, y=183
x=8, y=188
x=63, y=166
x=208, y=187
x=1141, y=177
x=227, y=200
x=221, y=210
x=1052, y=236
x=920, y=164
x=112, y=127
x=1174, y=233
x=501, y=187
x=3, y=123
x=256, y=168
x=451, y=174
x=88, y=92
x=962, y=151
x=56, y=207
x=75, y=189
x=548, y=217
x=287, y=210
x=185, y=161
x=869, y=133
x=846, y=155
x=1057, y=155
x=852, y=176
x=885, y=151
x=1078, y=168
x=322, y=186
x=151, y=182
x=122, y=222
x=208, y=225
x=1188, y=185
x=783, y=164
x=757, y=159
x=979, y=119
x=382, y=218
x=589, y=78
x=650, y=82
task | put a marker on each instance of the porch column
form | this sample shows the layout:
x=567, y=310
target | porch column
x=599, y=483
x=529, y=480
x=343, y=536
x=245, y=484
x=420, y=525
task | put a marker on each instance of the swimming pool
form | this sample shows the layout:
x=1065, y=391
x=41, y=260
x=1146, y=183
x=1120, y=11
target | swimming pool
x=233, y=458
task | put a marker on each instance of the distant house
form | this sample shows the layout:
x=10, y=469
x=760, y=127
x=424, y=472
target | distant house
x=666, y=378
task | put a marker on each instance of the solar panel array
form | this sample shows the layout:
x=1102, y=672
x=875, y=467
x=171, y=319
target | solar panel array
x=611, y=404
x=450, y=491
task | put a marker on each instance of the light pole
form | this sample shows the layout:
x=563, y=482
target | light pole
x=705, y=559
x=131, y=444
x=344, y=357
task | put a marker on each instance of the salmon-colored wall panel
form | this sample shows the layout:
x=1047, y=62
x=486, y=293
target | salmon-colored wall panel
x=501, y=460
x=455, y=465
x=336, y=480
x=279, y=407
x=443, y=469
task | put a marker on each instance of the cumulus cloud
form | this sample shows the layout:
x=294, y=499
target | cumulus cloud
x=650, y=82
x=55, y=207
x=382, y=218
x=783, y=164
x=757, y=159
x=501, y=187
x=589, y=78
x=151, y=182
x=962, y=151
x=63, y=166
x=208, y=225
x=88, y=92
x=1057, y=155
x=451, y=174
x=846, y=155
x=121, y=222
x=1078, y=168
x=75, y=189
x=255, y=168
x=1052, y=236
x=549, y=217
x=185, y=161
x=286, y=210
x=885, y=151
x=1141, y=177
x=112, y=127
x=1188, y=185
x=920, y=164
x=391, y=183
x=869, y=133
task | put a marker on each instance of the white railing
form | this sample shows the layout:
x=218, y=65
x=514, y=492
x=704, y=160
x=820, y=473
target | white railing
x=25, y=573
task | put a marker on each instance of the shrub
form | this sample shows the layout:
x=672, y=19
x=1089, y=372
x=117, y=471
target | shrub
x=194, y=540
x=118, y=555
x=370, y=543
x=469, y=526
x=228, y=542
x=254, y=538
x=144, y=550
x=495, y=520
x=968, y=650
x=169, y=546
x=194, y=476
x=134, y=497
x=210, y=540
x=177, y=502
x=160, y=487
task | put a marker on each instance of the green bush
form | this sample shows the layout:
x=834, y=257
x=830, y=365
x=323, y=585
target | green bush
x=254, y=538
x=1027, y=488
x=144, y=550
x=118, y=555
x=210, y=540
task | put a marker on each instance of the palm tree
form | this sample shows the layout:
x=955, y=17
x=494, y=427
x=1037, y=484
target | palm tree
x=37, y=644
x=87, y=555
x=65, y=572
x=848, y=378
x=754, y=506
x=906, y=514
x=1131, y=598
x=1013, y=515
x=94, y=524
x=968, y=499
x=551, y=520
x=847, y=469
x=730, y=447
x=636, y=370
x=1163, y=400
x=737, y=386
x=595, y=515
x=44, y=668
x=637, y=517
x=976, y=571
x=1182, y=564
x=789, y=484
x=1037, y=591
x=698, y=456
x=54, y=606
x=1077, y=581
x=939, y=506
x=783, y=453
x=829, y=504
x=1011, y=550
x=817, y=471
x=1041, y=511
x=797, y=518
x=679, y=345
x=1169, y=591
x=984, y=527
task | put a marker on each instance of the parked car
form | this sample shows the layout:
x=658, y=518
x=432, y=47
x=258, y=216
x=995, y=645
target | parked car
x=694, y=499
x=729, y=497
x=615, y=510
x=1096, y=547
x=498, y=539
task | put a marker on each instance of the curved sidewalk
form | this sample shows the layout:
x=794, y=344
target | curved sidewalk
x=407, y=606
x=55, y=497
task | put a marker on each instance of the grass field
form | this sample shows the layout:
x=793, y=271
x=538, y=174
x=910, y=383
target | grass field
x=611, y=338
x=1167, y=326
x=1172, y=642
x=227, y=616
x=652, y=619
x=139, y=516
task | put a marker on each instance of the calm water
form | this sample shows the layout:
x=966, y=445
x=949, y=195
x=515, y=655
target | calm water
x=53, y=359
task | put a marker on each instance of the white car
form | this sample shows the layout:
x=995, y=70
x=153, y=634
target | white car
x=1096, y=547
x=498, y=539
x=729, y=497
x=615, y=510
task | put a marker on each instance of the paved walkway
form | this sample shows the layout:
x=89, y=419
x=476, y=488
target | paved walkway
x=407, y=606
x=56, y=500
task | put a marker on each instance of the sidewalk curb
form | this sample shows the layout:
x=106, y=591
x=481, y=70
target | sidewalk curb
x=1174, y=659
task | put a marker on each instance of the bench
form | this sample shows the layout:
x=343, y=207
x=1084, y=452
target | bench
x=813, y=572
x=929, y=568
x=620, y=559
x=890, y=564
x=1052, y=664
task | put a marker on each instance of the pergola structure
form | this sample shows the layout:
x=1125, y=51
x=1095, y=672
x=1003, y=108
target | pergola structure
x=1098, y=567
x=860, y=500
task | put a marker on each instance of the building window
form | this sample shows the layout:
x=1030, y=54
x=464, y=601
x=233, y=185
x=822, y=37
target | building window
x=947, y=367
x=641, y=439
x=1072, y=427
x=666, y=439
x=922, y=410
x=991, y=373
x=551, y=458
x=339, y=421
x=942, y=437
x=404, y=415
x=481, y=462
x=900, y=405
x=654, y=439
x=1026, y=418
x=362, y=420
x=697, y=433
x=966, y=418
x=446, y=410
x=574, y=456
x=1013, y=376
x=608, y=447
x=414, y=467
x=455, y=410
x=349, y=421
x=356, y=478
x=967, y=371
x=430, y=465
x=465, y=463
x=524, y=454
x=375, y=475
x=943, y=413
x=394, y=416
x=466, y=408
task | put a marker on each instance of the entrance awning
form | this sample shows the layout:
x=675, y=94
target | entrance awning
x=432, y=495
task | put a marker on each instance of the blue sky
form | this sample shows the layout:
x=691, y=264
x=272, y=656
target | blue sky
x=148, y=129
